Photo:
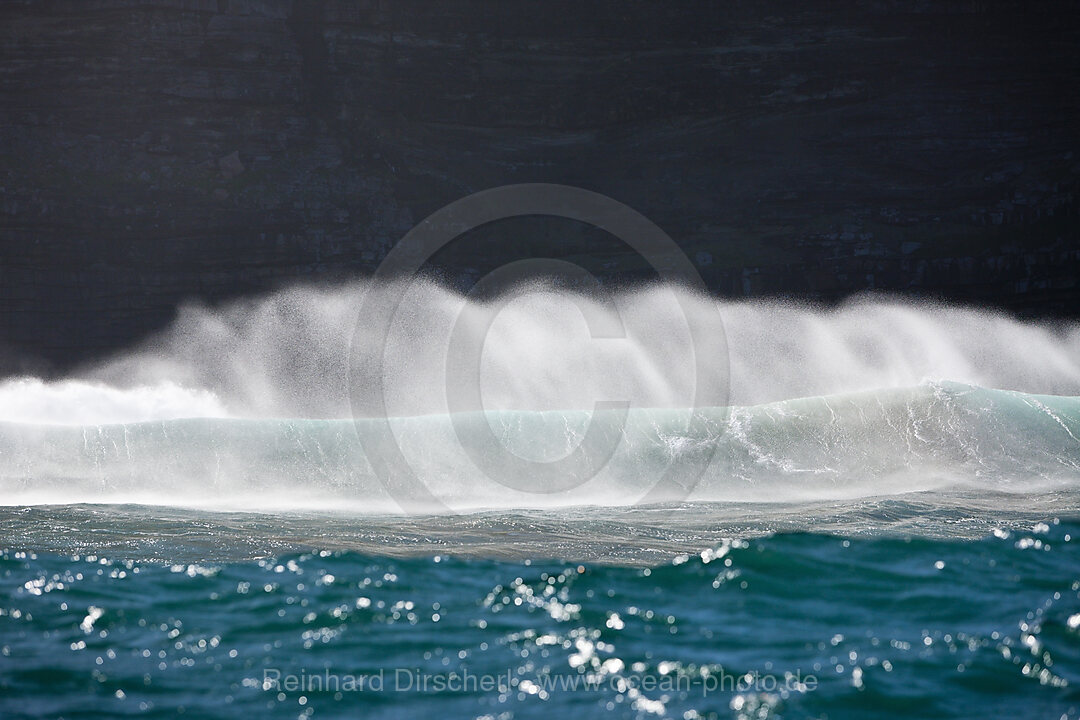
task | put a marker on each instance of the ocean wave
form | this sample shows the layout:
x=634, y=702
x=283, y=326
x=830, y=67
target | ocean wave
x=268, y=403
x=932, y=437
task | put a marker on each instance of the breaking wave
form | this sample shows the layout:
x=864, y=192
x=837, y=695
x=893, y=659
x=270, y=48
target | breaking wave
x=936, y=436
x=248, y=406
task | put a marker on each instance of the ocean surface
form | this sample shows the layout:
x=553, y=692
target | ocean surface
x=875, y=514
x=683, y=611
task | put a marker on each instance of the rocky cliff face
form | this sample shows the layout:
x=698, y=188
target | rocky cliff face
x=155, y=150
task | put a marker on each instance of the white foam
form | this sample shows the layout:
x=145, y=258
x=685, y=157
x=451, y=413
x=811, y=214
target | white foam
x=76, y=402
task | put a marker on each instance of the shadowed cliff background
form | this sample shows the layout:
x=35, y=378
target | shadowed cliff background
x=159, y=150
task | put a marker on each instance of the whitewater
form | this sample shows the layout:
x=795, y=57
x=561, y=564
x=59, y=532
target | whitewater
x=261, y=404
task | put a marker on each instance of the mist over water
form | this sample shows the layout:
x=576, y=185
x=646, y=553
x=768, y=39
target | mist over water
x=248, y=405
x=287, y=354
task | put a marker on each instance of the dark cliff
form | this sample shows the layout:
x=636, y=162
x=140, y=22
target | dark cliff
x=157, y=150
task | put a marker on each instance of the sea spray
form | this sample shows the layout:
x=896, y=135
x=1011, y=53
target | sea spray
x=287, y=354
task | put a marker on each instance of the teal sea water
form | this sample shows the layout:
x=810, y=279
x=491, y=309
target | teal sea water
x=852, y=624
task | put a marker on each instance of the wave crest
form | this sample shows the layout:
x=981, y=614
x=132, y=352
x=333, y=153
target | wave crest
x=932, y=437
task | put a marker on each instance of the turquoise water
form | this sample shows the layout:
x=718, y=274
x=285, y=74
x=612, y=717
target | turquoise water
x=933, y=436
x=902, y=609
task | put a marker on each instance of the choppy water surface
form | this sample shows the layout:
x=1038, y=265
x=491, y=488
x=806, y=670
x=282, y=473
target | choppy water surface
x=664, y=612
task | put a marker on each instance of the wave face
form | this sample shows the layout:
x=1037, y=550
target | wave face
x=936, y=436
x=248, y=406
